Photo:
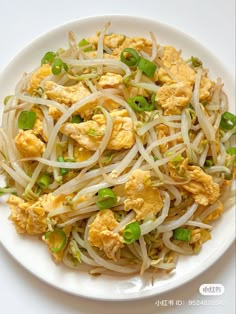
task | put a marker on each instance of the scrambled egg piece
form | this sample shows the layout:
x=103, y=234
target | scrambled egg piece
x=137, y=43
x=38, y=126
x=206, y=89
x=67, y=95
x=205, y=191
x=215, y=214
x=90, y=133
x=28, y=144
x=141, y=196
x=173, y=61
x=162, y=131
x=38, y=76
x=110, y=79
x=174, y=97
x=30, y=217
x=198, y=237
x=201, y=185
x=81, y=154
x=101, y=235
x=111, y=41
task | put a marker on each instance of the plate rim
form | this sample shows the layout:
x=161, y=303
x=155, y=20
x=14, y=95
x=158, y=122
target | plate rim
x=218, y=253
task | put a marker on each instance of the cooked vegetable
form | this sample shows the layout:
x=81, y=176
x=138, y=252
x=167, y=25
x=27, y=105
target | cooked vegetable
x=48, y=57
x=148, y=67
x=118, y=150
x=26, y=120
x=140, y=104
x=228, y=121
x=44, y=180
x=106, y=198
x=130, y=57
x=63, y=171
x=57, y=240
x=182, y=234
x=131, y=232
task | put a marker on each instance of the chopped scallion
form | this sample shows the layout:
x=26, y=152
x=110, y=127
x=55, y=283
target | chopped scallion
x=83, y=43
x=209, y=163
x=131, y=232
x=182, y=234
x=106, y=198
x=196, y=62
x=6, y=99
x=63, y=171
x=148, y=67
x=231, y=150
x=76, y=119
x=57, y=66
x=48, y=57
x=26, y=120
x=56, y=239
x=130, y=57
x=140, y=104
x=44, y=180
x=228, y=121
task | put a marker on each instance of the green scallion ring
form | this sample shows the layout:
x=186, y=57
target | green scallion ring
x=228, y=121
x=130, y=57
x=131, y=232
x=44, y=180
x=48, y=57
x=147, y=67
x=140, y=104
x=106, y=198
x=53, y=236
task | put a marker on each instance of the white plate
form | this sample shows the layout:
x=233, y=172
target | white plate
x=32, y=253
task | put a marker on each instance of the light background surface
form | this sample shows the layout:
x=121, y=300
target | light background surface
x=212, y=22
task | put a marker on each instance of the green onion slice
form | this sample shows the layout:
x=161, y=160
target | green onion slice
x=106, y=198
x=44, y=180
x=196, y=62
x=63, y=171
x=228, y=121
x=130, y=57
x=148, y=67
x=48, y=57
x=231, y=151
x=6, y=99
x=83, y=43
x=58, y=238
x=58, y=65
x=182, y=234
x=76, y=119
x=26, y=120
x=209, y=163
x=140, y=104
x=131, y=232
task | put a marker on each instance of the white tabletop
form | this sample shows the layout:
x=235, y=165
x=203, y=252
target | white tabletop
x=210, y=21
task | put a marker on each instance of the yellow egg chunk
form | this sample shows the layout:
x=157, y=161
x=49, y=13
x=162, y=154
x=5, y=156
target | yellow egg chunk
x=141, y=196
x=102, y=236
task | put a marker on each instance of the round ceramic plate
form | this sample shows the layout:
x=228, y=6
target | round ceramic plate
x=32, y=253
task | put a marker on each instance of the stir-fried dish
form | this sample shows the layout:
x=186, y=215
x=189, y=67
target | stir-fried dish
x=118, y=153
